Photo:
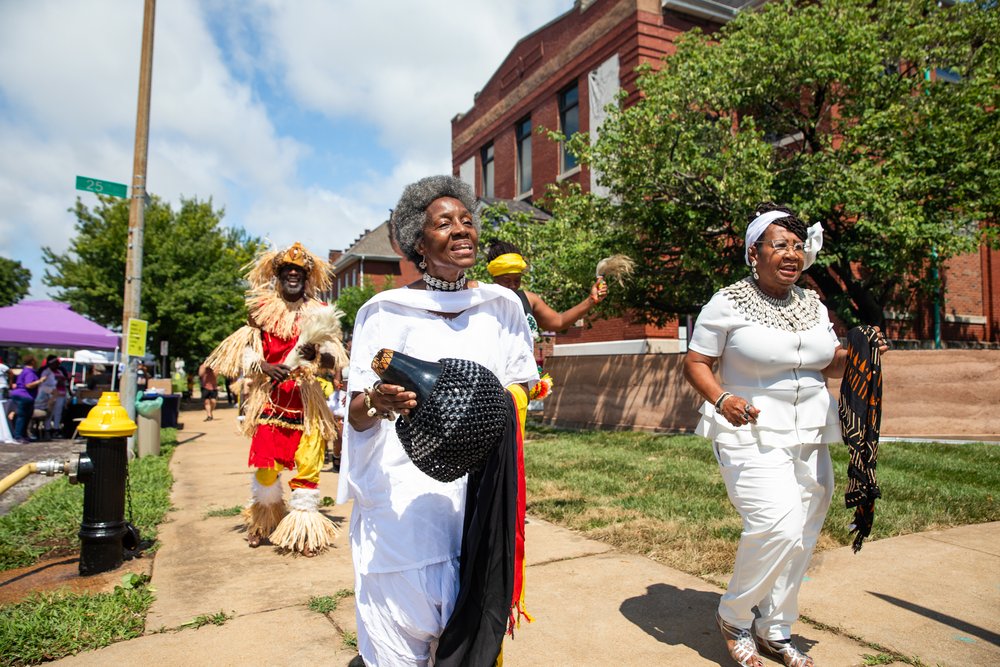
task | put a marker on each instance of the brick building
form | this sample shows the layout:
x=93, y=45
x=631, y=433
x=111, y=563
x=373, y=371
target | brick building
x=370, y=256
x=562, y=75
x=970, y=312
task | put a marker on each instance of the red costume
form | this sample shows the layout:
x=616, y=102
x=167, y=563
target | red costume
x=288, y=422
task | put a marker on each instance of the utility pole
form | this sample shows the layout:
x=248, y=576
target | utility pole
x=136, y=217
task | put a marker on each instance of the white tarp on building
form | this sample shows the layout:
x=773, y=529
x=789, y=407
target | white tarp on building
x=603, y=84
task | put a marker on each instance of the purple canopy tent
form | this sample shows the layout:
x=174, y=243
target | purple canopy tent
x=52, y=324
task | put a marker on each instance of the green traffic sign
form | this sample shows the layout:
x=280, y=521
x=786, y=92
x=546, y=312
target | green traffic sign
x=102, y=187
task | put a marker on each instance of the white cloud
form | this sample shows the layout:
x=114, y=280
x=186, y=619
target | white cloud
x=408, y=67
x=69, y=78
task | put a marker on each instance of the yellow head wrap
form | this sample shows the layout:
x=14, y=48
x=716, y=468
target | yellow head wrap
x=505, y=264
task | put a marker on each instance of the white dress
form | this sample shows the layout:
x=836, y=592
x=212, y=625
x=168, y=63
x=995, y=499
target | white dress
x=778, y=371
x=403, y=519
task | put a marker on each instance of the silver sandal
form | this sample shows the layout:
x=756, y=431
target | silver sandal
x=785, y=651
x=743, y=649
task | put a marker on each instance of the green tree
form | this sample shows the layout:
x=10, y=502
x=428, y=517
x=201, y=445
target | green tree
x=192, y=279
x=878, y=119
x=561, y=252
x=15, y=281
x=351, y=299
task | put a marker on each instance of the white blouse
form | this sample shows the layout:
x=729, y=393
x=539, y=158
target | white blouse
x=779, y=372
x=402, y=518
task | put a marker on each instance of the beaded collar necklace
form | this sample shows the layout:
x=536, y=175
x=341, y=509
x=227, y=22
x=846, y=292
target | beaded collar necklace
x=773, y=300
x=798, y=311
x=443, y=285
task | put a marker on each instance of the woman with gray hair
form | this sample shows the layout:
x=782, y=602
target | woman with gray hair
x=406, y=528
x=770, y=420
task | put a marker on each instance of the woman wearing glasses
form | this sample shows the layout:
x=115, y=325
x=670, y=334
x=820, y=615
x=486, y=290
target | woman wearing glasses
x=770, y=421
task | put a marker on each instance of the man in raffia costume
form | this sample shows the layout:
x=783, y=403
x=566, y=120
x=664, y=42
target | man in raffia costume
x=289, y=338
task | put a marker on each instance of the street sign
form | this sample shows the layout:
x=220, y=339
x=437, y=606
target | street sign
x=136, y=346
x=164, y=347
x=102, y=187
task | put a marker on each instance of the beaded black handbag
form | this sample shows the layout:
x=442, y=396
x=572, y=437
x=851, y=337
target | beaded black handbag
x=460, y=415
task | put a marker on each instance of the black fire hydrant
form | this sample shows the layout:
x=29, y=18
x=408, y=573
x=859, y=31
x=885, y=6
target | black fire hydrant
x=103, y=470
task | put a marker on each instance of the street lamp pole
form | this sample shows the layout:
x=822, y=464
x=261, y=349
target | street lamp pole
x=136, y=218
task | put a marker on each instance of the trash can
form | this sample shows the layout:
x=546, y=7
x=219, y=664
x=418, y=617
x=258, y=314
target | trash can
x=148, y=409
x=170, y=410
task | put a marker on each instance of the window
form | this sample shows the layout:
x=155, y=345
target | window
x=523, y=131
x=569, y=123
x=487, y=159
x=947, y=75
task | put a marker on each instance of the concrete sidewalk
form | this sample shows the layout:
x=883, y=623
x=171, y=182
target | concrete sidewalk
x=932, y=596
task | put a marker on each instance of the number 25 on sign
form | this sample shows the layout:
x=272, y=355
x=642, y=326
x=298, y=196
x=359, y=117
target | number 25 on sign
x=102, y=187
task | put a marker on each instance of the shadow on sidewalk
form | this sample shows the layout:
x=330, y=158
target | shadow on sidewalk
x=684, y=617
x=190, y=437
x=944, y=619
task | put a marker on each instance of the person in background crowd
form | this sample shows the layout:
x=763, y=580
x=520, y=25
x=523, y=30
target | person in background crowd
x=55, y=382
x=44, y=402
x=24, y=394
x=178, y=381
x=209, y=390
x=338, y=406
x=507, y=266
x=99, y=378
x=142, y=376
x=230, y=394
x=4, y=381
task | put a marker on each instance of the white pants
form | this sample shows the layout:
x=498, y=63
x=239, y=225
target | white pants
x=54, y=419
x=782, y=494
x=401, y=615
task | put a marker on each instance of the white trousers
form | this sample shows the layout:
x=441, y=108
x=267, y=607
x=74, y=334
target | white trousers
x=782, y=494
x=54, y=418
x=401, y=615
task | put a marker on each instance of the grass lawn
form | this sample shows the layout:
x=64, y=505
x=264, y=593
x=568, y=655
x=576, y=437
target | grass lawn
x=47, y=626
x=46, y=525
x=663, y=497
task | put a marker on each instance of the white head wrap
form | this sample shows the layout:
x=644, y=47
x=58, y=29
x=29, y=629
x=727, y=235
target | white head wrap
x=813, y=242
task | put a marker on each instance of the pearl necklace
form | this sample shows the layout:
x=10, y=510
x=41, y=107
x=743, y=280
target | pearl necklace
x=443, y=285
x=798, y=311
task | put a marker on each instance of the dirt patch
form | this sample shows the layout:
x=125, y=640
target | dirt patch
x=64, y=573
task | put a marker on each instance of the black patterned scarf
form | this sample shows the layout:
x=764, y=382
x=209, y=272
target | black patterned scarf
x=860, y=417
x=474, y=634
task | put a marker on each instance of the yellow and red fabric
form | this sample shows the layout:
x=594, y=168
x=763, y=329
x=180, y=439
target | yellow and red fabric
x=491, y=589
x=279, y=441
x=517, y=609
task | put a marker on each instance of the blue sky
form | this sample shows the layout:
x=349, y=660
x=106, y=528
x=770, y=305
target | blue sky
x=304, y=119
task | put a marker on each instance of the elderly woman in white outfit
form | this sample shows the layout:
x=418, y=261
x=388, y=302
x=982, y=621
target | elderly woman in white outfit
x=406, y=528
x=770, y=421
